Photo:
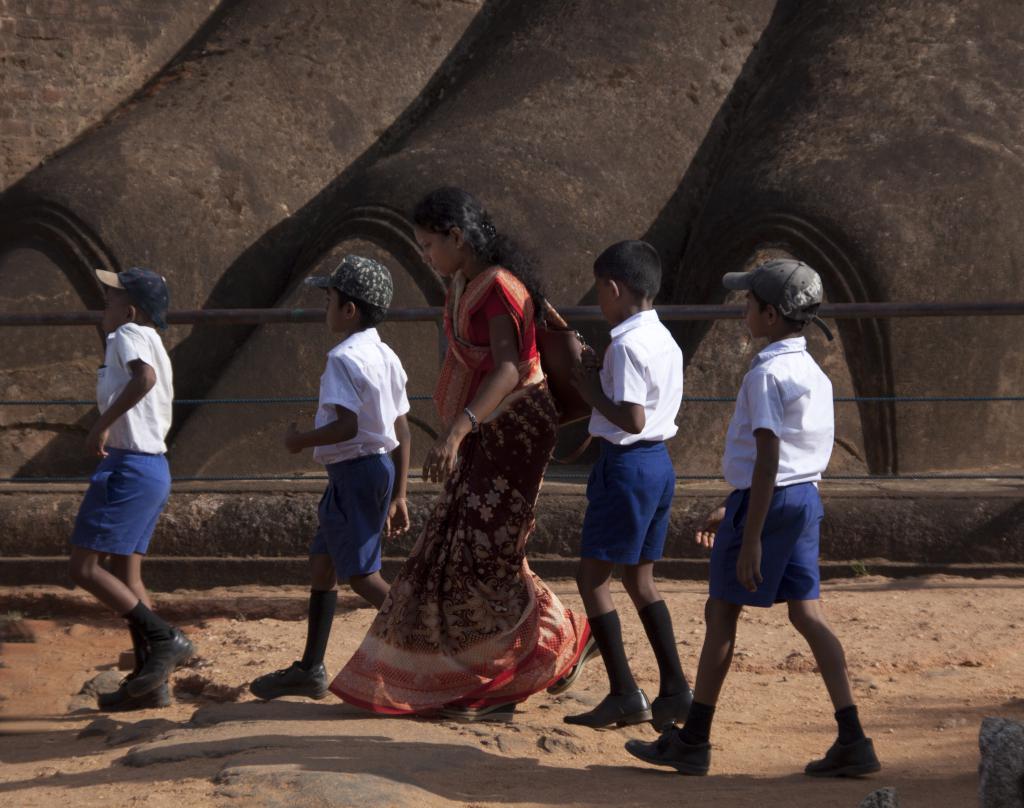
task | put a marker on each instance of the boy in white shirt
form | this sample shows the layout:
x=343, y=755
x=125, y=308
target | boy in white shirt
x=130, y=486
x=361, y=418
x=765, y=550
x=636, y=396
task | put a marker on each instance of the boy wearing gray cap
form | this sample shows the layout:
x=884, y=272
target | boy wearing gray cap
x=360, y=424
x=765, y=539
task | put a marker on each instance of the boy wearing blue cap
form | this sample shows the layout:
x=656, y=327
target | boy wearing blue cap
x=360, y=423
x=765, y=549
x=130, y=486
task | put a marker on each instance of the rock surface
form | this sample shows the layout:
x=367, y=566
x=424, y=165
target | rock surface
x=1001, y=769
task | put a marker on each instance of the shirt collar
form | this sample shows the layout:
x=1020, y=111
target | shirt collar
x=782, y=346
x=641, y=318
x=366, y=335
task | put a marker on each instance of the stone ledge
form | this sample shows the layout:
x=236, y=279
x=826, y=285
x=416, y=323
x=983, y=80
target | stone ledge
x=167, y=574
x=923, y=522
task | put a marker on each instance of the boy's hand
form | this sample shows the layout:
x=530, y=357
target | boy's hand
x=397, y=522
x=96, y=442
x=586, y=378
x=748, y=566
x=589, y=359
x=706, y=534
x=292, y=439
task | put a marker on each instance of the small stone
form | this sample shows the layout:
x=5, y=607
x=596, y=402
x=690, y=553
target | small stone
x=1001, y=771
x=882, y=798
x=99, y=727
x=140, y=731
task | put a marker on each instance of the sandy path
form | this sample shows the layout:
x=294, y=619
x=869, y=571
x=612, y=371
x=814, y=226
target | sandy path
x=930, y=658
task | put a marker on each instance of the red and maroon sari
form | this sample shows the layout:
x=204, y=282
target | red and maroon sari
x=466, y=622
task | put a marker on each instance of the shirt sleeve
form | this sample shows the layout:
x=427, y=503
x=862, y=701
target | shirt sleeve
x=401, y=396
x=130, y=345
x=627, y=376
x=342, y=384
x=764, y=403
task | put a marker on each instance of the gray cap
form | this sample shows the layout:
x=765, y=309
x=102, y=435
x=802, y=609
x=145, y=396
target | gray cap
x=360, y=278
x=790, y=286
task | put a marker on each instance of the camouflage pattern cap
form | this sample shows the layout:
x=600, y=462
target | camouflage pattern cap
x=790, y=286
x=360, y=278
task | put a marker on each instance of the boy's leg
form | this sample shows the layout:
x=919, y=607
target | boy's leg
x=87, y=572
x=853, y=753
x=128, y=569
x=688, y=750
x=372, y=588
x=625, y=703
x=674, y=697
x=308, y=677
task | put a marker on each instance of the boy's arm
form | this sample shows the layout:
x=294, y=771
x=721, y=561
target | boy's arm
x=344, y=428
x=398, y=514
x=142, y=381
x=627, y=416
x=762, y=486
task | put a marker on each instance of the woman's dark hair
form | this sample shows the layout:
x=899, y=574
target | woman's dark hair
x=441, y=210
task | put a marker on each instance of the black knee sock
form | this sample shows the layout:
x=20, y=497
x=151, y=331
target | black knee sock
x=138, y=646
x=607, y=633
x=850, y=729
x=697, y=729
x=318, y=631
x=152, y=627
x=658, y=625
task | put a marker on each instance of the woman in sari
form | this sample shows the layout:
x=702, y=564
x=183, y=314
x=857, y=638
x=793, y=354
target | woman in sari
x=468, y=630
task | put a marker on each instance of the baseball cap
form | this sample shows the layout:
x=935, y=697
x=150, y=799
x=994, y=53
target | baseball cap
x=146, y=289
x=790, y=286
x=360, y=278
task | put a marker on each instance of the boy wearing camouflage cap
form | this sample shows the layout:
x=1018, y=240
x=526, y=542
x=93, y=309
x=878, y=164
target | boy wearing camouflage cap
x=360, y=425
x=765, y=539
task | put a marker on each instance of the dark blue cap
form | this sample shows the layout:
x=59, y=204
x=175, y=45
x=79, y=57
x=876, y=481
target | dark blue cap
x=146, y=289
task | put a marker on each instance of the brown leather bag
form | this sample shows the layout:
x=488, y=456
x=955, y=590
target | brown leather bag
x=560, y=348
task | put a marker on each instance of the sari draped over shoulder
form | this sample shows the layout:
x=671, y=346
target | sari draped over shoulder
x=466, y=622
x=464, y=359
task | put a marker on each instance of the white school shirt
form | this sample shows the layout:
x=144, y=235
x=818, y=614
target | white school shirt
x=643, y=365
x=144, y=427
x=787, y=393
x=365, y=376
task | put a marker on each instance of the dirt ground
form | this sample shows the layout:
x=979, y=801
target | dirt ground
x=929, y=657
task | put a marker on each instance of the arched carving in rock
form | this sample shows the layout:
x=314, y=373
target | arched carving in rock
x=866, y=342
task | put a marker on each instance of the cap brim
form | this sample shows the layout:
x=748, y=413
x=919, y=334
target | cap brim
x=318, y=281
x=738, y=280
x=108, y=278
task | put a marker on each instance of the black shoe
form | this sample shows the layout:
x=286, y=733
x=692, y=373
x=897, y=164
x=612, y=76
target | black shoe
x=590, y=650
x=613, y=709
x=846, y=760
x=293, y=681
x=667, y=711
x=161, y=659
x=121, y=700
x=468, y=715
x=671, y=750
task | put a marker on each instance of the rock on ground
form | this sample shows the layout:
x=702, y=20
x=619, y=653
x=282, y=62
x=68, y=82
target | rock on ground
x=1002, y=763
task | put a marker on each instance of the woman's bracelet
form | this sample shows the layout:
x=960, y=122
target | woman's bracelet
x=474, y=425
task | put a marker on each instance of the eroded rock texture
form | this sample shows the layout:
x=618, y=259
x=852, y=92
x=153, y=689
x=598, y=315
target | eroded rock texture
x=879, y=143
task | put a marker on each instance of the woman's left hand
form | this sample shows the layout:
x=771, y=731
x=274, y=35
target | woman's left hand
x=442, y=458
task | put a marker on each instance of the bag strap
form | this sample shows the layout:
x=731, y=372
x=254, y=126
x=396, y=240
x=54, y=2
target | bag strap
x=575, y=454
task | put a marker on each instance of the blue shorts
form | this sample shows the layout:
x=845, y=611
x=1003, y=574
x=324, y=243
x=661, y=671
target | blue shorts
x=126, y=495
x=629, y=502
x=789, y=548
x=352, y=513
